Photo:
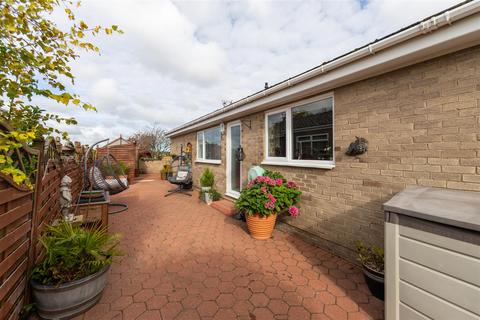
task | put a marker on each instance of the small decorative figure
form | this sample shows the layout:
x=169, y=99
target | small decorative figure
x=66, y=198
x=360, y=146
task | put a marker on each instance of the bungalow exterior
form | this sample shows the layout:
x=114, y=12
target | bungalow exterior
x=414, y=95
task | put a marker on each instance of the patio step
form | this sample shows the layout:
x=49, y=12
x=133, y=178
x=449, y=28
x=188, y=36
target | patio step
x=224, y=206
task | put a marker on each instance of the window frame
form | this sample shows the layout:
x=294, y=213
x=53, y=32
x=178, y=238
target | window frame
x=203, y=159
x=287, y=160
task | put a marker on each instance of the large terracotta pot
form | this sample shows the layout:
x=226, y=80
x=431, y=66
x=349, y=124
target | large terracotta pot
x=261, y=227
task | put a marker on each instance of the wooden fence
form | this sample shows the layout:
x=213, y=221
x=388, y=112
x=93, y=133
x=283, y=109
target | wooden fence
x=24, y=214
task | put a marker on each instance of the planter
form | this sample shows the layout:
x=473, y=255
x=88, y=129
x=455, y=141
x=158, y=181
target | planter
x=260, y=227
x=68, y=300
x=206, y=194
x=375, y=281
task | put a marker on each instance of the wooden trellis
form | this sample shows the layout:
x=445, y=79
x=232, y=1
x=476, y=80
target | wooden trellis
x=25, y=213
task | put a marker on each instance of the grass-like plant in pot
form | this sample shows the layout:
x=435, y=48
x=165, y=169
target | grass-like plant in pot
x=73, y=272
x=372, y=259
x=263, y=199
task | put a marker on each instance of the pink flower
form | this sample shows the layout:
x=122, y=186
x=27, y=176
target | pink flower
x=271, y=197
x=250, y=184
x=291, y=184
x=269, y=205
x=279, y=182
x=293, y=211
x=264, y=189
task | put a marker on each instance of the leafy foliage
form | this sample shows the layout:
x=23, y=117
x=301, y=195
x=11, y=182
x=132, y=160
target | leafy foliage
x=35, y=57
x=265, y=196
x=154, y=140
x=207, y=179
x=73, y=253
x=214, y=194
x=372, y=257
x=274, y=175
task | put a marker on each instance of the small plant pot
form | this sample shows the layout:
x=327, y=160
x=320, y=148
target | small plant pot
x=208, y=198
x=375, y=281
x=206, y=194
x=261, y=227
x=70, y=299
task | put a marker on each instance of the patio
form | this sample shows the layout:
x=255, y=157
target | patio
x=185, y=260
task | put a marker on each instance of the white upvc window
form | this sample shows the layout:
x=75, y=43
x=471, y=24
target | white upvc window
x=301, y=134
x=209, y=145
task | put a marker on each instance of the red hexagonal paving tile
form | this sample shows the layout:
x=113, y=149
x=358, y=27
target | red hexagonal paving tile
x=190, y=266
x=278, y=307
x=335, y=312
x=134, y=310
x=259, y=300
x=262, y=314
x=298, y=313
x=171, y=310
x=242, y=307
x=207, y=309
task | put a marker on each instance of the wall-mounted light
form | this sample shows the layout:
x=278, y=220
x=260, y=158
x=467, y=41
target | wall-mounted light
x=222, y=128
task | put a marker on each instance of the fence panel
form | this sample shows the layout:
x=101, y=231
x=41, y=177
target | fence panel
x=24, y=214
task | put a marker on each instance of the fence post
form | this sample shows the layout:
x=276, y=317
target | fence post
x=36, y=207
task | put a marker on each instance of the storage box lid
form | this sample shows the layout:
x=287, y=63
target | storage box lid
x=446, y=206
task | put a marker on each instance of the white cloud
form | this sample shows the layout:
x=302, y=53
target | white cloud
x=179, y=59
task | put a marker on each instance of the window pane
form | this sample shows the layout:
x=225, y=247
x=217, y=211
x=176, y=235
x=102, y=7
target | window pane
x=277, y=138
x=312, y=131
x=212, y=143
x=200, y=145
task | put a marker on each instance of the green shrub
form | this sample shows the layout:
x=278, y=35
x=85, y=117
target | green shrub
x=214, y=194
x=266, y=196
x=274, y=175
x=73, y=253
x=207, y=179
x=372, y=257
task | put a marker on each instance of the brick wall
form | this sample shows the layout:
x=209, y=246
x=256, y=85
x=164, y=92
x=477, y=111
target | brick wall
x=423, y=127
x=198, y=167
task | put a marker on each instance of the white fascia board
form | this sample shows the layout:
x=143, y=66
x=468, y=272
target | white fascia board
x=462, y=34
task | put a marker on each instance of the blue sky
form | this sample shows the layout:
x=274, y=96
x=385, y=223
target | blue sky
x=179, y=59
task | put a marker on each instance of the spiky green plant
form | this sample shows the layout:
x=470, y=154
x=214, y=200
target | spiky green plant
x=73, y=252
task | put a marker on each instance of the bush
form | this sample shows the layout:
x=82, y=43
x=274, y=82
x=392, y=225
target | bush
x=274, y=175
x=372, y=257
x=207, y=179
x=214, y=194
x=266, y=196
x=74, y=253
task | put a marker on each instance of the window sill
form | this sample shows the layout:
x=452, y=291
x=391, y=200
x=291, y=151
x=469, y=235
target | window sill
x=208, y=161
x=318, y=165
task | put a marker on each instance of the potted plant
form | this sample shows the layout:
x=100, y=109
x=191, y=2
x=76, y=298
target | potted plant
x=373, y=262
x=164, y=172
x=207, y=180
x=262, y=199
x=73, y=273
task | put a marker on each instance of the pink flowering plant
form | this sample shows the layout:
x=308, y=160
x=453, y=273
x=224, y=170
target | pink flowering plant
x=266, y=195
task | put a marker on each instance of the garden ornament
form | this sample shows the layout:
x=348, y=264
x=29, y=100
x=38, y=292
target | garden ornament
x=66, y=198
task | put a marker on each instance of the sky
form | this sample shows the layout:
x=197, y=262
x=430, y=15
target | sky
x=178, y=60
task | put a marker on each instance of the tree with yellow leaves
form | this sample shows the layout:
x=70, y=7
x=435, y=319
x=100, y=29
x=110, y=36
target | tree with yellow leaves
x=35, y=57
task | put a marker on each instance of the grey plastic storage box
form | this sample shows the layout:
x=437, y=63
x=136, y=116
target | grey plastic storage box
x=432, y=255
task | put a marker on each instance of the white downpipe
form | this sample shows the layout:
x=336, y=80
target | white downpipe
x=446, y=18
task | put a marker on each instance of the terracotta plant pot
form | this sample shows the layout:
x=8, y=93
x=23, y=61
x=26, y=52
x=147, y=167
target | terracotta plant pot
x=260, y=227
